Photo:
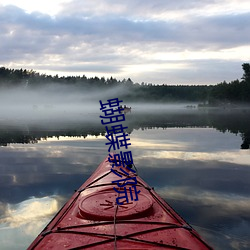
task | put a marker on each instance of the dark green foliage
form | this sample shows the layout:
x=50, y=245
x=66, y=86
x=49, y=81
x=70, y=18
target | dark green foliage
x=220, y=94
x=246, y=69
x=234, y=92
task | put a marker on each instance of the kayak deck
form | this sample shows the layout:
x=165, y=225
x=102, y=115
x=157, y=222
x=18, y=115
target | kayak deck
x=92, y=219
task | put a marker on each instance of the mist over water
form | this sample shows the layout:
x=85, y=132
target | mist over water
x=61, y=102
x=55, y=102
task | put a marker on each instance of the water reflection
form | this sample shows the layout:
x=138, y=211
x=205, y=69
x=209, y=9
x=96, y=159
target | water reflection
x=29, y=210
x=203, y=176
x=193, y=160
x=19, y=222
x=233, y=121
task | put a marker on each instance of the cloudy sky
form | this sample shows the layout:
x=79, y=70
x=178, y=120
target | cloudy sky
x=157, y=41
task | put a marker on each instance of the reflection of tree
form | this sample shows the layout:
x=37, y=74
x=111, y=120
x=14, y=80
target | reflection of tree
x=246, y=141
x=16, y=137
x=237, y=122
x=20, y=135
x=234, y=122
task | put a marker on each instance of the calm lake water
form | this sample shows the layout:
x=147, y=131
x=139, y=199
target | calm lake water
x=197, y=160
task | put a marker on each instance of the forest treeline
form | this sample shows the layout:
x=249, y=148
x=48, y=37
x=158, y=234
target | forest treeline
x=236, y=91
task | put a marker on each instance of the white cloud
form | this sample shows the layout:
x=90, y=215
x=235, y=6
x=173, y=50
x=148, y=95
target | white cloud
x=159, y=41
x=45, y=6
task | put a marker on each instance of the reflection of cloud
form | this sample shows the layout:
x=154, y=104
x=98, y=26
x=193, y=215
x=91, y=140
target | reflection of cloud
x=228, y=203
x=200, y=144
x=151, y=154
x=151, y=144
x=188, y=139
x=230, y=157
x=58, y=156
x=22, y=222
x=29, y=213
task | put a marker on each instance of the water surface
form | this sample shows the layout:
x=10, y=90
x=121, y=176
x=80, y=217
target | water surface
x=193, y=158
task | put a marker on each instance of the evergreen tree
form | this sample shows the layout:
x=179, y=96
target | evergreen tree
x=246, y=69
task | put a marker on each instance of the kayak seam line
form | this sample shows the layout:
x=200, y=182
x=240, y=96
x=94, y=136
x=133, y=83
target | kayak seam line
x=124, y=236
x=99, y=178
x=120, y=222
x=128, y=237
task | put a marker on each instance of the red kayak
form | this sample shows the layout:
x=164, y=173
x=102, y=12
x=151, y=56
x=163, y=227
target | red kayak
x=105, y=213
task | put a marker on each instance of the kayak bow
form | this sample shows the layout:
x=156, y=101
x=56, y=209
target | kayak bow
x=92, y=219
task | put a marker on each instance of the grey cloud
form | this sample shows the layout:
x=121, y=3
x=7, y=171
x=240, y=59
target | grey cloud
x=85, y=68
x=133, y=8
x=98, y=40
x=217, y=31
x=196, y=72
x=220, y=31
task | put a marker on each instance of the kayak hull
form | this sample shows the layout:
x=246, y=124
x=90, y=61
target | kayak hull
x=91, y=219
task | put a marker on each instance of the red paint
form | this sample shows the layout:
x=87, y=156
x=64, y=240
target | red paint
x=87, y=220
